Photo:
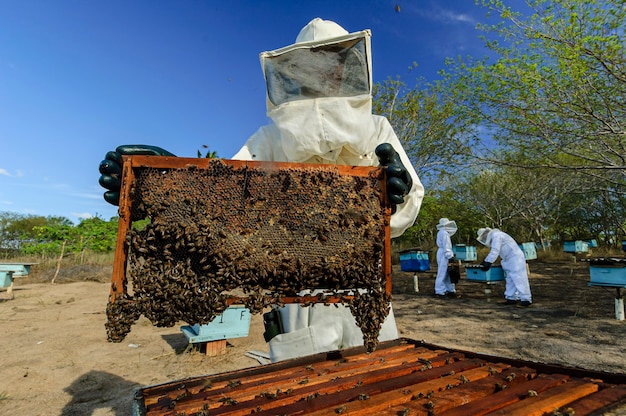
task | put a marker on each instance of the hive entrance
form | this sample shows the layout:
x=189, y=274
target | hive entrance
x=197, y=235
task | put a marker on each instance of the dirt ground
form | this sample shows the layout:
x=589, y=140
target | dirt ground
x=56, y=360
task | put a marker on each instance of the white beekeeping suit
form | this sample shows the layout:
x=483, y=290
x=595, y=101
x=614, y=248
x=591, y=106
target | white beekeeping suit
x=319, y=98
x=513, y=263
x=443, y=285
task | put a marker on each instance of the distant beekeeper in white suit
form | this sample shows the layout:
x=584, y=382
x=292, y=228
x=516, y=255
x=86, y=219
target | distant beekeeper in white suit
x=443, y=285
x=513, y=264
x=319, y=98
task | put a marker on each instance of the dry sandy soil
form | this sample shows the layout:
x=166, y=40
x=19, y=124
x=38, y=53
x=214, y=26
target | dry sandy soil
x=56, y=360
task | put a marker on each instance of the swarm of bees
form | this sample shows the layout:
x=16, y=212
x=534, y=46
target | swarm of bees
x=200, y=237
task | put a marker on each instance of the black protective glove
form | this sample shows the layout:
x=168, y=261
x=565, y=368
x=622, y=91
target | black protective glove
x=399, y=180
x=111, y=167
x=485, y=266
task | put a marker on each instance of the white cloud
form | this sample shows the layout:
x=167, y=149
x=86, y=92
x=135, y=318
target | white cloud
x=6, y=202
x=82, y=215
x=445, y=16
x=4, y=172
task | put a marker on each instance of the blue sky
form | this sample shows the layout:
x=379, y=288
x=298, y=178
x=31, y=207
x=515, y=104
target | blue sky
x=80, y=77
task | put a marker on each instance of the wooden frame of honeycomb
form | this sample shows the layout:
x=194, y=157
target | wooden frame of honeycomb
x=197, y=235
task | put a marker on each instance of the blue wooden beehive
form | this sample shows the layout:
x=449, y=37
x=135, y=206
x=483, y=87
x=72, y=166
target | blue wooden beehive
x=234, y=322
x=592, y=243
x=475, y=274
x=465, y=253
x=8, y=271
x=530, y=250
x=5, y=279
x=414, y=261
x=607, y=272
x=577, y=246
x=607, y=276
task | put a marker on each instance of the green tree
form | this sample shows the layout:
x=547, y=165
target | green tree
x=556, y=90
x=96, y=235
x=525, y=203
x=597, y=215
x=437, y=204
x=537, y=128
x=17, y=229
x=51, y=240
x=209, y=154
x=61, y=237
x=425, y=123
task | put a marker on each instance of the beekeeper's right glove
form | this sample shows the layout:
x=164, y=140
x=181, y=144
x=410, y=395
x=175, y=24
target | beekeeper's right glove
x=485, y=266
x=111, y=167
x=399, y=181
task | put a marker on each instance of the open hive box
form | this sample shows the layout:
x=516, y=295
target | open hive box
x=402, y=377
x=197, y=235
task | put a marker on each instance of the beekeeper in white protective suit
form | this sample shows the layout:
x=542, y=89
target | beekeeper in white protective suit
x=513, y=264
x=319, y=97
x=443, y=286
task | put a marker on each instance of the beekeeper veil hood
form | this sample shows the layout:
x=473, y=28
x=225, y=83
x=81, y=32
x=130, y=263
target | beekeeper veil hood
x=484, y=236
x=319, y=92
x=447, y=225
x=319, y=29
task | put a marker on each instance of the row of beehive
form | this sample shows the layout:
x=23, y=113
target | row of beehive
x=417, y=260
x=468, y=253
x=583, y=246
x=607, y=273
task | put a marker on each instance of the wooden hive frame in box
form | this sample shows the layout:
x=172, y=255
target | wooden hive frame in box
x=402, y=377
x=197, y=235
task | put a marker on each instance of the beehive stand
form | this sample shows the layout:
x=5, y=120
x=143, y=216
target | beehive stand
x=198, y=235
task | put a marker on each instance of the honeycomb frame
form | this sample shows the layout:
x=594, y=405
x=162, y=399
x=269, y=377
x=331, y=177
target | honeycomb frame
x=348, y=208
